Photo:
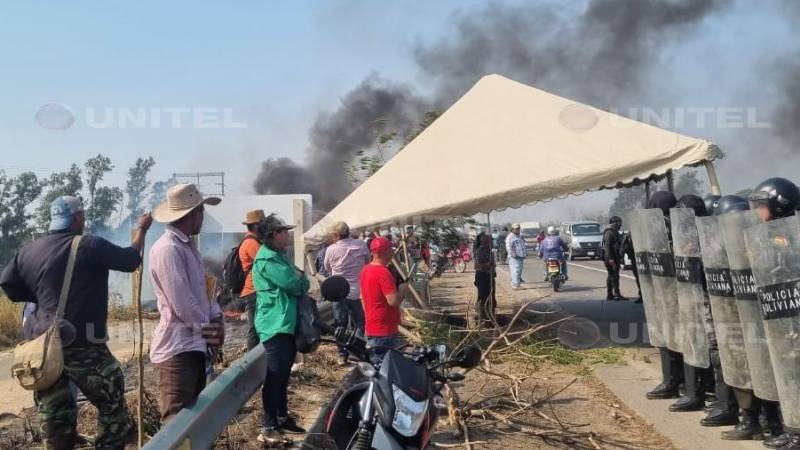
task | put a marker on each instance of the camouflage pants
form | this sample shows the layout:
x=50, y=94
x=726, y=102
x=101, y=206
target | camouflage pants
x=98, y=375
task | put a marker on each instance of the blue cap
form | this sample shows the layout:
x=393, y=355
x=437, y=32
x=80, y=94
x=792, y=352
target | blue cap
x=62, y=212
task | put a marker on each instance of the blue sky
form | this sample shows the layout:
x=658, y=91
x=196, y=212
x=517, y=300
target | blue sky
x=277, y=64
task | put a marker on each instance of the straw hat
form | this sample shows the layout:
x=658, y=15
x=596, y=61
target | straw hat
x=254, y=216
x=181, y=200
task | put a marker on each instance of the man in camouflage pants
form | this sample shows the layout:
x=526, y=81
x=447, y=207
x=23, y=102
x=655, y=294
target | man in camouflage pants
x=98, y=375
x=35, y=275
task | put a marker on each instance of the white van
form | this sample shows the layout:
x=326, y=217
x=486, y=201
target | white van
x=585, y=239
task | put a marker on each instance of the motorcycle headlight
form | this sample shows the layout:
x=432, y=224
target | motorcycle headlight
x=408, y=414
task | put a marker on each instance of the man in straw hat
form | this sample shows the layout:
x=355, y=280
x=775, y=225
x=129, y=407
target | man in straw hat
x=248, y=249
x=190, y=322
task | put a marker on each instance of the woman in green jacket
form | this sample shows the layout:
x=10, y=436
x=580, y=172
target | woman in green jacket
x=278, y=284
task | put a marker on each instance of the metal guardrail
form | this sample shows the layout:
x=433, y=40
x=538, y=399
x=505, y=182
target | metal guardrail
x=198, y=426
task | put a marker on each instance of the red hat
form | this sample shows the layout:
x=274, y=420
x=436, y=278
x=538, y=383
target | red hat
x=379, y=244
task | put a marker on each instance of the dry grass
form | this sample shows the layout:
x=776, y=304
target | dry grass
x=119, y=311
x=10, y=321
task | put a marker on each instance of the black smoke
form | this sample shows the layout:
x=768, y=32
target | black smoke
x=600, y=57
x=336, y=137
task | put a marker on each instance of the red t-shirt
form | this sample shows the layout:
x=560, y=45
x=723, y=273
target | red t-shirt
x=381, y=319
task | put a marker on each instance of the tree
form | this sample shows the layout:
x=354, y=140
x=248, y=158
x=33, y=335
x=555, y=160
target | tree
x=688, y=183
x=58, y=184
x=96, y=168
x=138, y=184
x=106, y=200
x=16, y=193
x=159, y=191
x=627, y=199
x=367, y=162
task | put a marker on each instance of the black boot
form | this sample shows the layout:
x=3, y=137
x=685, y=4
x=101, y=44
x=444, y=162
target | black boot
x=794, y=442
x=669, y=386
x=771, y=419
x=748, y=428
x=724, y=410
x=694, y=399
x=778, y=441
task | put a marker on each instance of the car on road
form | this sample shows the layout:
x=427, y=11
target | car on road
x=585, y=239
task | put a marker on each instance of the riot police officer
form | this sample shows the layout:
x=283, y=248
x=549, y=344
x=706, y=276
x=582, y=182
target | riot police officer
x=772, y=199
x=612, y=257
x=671, y=361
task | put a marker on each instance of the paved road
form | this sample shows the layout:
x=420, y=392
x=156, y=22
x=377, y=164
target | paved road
x=621, y=322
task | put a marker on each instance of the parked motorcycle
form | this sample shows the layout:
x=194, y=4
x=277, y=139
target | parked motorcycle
x=397, y=406
x=554, y=274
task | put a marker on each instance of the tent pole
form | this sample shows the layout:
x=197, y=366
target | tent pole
x=405, y=249
x=646, y=193
x=712, y=178
x=410, y=284
x=670, y=182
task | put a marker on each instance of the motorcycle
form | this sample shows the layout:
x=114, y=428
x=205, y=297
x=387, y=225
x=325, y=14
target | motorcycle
x=397, y=406
x=554, y=274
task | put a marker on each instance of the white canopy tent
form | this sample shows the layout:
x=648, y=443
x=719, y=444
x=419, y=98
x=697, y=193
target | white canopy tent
x=505, y=144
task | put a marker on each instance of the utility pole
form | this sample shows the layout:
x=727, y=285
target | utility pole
x=219, y=180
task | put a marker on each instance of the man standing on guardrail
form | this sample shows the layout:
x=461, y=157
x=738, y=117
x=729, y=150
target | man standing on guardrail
x=190, y=322
x=36, y=275
x=345, y=258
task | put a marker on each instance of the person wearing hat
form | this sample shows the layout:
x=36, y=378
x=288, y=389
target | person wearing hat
x=248, y=249
x=515, y=247
x=346, y=257
x=278, y=285
x=35, y=275
x=189, y=320
x=381, y=297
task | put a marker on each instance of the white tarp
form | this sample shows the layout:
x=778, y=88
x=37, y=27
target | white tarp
x=505, y=144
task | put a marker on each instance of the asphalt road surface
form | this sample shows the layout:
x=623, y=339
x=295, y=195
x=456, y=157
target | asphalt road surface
x=621, y=323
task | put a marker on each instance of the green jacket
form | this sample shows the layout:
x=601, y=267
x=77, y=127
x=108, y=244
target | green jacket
x=277, y=284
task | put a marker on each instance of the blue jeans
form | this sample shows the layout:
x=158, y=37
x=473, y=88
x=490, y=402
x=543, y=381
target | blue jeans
x=350, y=313
x=381, y=345
x=280, y=352
x=516, y=271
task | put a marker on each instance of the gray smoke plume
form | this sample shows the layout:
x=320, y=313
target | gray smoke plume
x=336, y=137
x=787, y=115
x=601, y=57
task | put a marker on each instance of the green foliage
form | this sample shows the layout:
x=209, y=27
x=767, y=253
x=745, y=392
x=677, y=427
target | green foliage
x=103, y=201
x=58, y=184
x=366, y=163
x=137, y=184
x=159, y=191
x=16, y=193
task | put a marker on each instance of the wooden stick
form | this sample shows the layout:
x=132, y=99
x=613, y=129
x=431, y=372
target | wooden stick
x=136, y=279
x=712, y=178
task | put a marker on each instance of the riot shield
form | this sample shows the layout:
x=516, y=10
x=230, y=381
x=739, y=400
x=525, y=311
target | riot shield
x=662, y=270
x=774, y=253
x=652, y=309
x=724, y=309
x=755, y=341
x=691, y=297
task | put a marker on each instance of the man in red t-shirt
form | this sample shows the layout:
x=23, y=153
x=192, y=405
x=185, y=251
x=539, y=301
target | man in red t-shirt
x=381, y=297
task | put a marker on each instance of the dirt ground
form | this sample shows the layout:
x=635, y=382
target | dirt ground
x=555, y=403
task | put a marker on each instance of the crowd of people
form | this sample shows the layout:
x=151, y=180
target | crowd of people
x=190, y=329
x=729, y=371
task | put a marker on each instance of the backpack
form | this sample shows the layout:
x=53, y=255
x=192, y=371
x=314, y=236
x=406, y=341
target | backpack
x=307, y=333
x=233, y=276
